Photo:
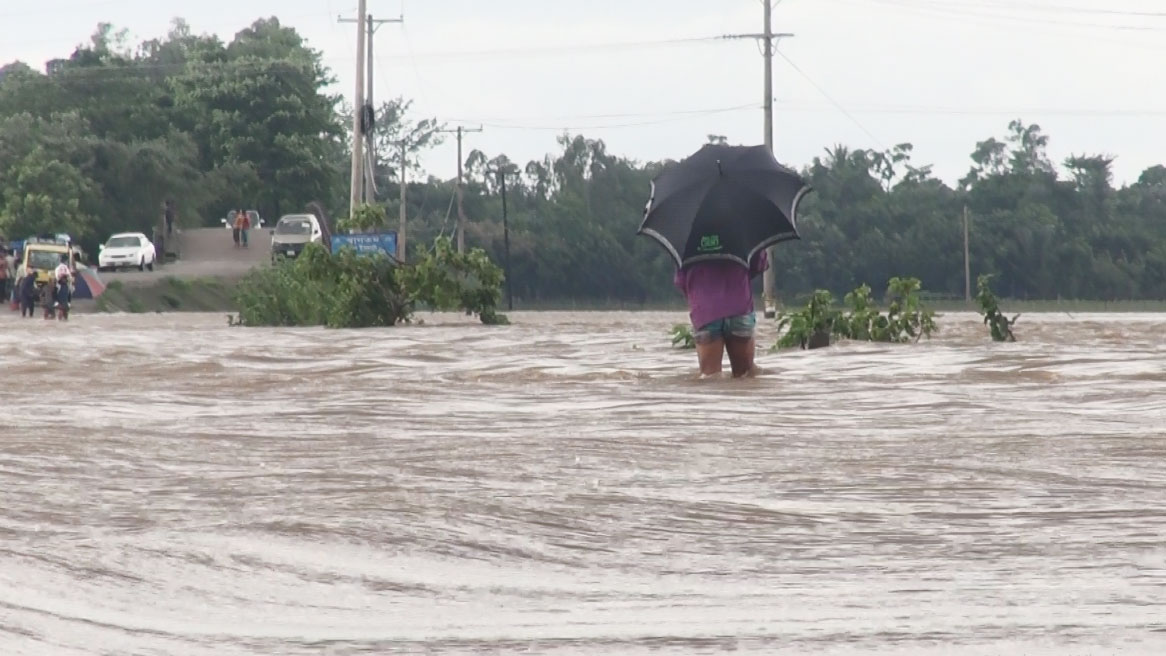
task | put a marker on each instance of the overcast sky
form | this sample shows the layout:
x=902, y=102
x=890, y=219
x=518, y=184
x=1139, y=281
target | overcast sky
x=941, y=74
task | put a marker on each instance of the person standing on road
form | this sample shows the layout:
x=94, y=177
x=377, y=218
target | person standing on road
x=233, y=217
x=245, y=228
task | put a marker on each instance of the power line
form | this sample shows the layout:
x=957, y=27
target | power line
x=597, y=48
x=1030, y=26
x=1042, y=8
x=831, y=100
x=677, y=112
x=986, y=111
x=946, y=10
x=608, y=126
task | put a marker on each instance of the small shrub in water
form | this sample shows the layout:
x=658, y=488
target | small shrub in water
x=999, y=325
x=810, y=326
x=682, y=336
x=906, y=320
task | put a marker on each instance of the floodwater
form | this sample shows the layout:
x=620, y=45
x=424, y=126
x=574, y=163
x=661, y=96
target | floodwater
x=566, y=485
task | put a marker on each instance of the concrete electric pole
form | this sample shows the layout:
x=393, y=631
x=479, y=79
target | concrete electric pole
x=370, y=28
x=967, y=262
x=358, y=115
x=767, y=38
x=404, y=211
x=461, y=211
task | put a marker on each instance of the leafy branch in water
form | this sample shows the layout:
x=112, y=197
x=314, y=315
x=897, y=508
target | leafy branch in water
x=998, y=324
x=906, y=320
x=444, y=279
x=810, y=326
x=682, y=336
x=864, y=321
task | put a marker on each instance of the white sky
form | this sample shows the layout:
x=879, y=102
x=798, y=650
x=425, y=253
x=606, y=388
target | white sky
x=941, y=74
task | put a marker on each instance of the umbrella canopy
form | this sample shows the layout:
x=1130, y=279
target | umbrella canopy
x=723, y=203
x=86, y=284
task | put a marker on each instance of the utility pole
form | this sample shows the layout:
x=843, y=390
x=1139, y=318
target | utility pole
x=358, y=114
x=461, y=211
x=967, y=262
x=767, y=38
x=506, y=243
x=370, y=28
x=404, y=213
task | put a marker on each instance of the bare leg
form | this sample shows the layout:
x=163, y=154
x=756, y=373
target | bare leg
x=741, y=353
x=710, y=354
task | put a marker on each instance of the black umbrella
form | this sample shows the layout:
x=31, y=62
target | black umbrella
x=723, y=203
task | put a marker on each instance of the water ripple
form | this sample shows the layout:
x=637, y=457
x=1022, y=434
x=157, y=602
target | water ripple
x=569, y=485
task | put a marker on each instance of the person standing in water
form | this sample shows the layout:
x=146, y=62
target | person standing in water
x=27, y=293
x=63, y=295
x=720, y=302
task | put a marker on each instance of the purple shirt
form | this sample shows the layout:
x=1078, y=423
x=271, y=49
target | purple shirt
x=717, y=289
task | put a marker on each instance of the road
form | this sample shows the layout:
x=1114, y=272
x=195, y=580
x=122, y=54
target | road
x=204, y=252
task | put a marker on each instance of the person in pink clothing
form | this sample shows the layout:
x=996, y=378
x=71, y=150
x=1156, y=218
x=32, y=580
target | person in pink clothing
x=720, y=302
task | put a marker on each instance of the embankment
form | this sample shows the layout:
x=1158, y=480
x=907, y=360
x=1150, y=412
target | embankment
x=166, y=294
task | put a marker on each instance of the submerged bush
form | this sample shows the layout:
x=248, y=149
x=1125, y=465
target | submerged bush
x=317, y=288
x=347, y=290
x=906, y=320
x=999, y=325
x=443, y=279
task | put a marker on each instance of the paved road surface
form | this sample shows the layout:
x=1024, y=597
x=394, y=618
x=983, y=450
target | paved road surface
x=205, y=252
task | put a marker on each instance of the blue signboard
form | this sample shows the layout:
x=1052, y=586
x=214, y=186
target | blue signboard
x=381, y=242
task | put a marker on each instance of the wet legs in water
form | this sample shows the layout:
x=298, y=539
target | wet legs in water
x=741, y=350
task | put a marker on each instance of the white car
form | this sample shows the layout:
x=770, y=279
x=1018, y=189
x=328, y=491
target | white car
x=127, y=249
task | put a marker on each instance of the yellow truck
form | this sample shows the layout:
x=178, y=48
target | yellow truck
x=44, y=254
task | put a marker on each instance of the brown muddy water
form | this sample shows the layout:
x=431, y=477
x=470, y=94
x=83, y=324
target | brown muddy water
x=566, y=485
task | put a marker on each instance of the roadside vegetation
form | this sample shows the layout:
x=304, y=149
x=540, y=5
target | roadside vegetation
x=347, y=290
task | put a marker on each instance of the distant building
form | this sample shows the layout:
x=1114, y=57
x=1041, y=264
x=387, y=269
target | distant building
x=54, y=66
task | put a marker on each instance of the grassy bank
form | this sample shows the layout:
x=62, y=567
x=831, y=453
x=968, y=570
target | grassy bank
x=168, y=294
x=1012, y=306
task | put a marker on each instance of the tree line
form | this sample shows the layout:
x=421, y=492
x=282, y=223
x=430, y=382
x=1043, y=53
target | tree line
x=98, y=145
